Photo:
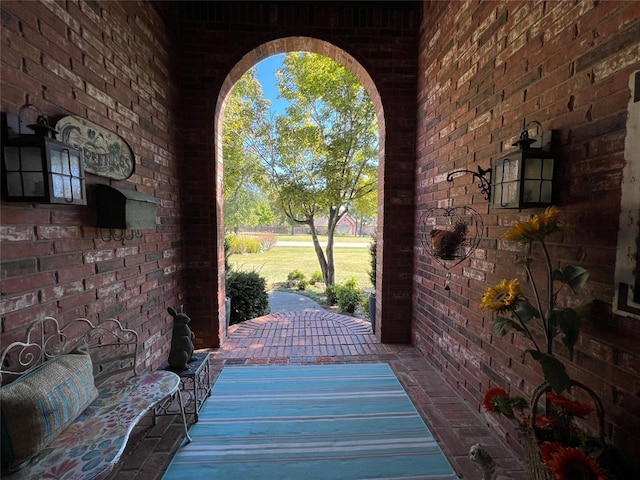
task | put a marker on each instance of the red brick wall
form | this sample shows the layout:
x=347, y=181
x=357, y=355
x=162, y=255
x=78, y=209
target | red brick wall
x=107, y=62
x=220, y=41
x=484, y=68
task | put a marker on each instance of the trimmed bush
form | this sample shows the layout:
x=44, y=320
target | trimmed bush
x=348, y=295
x=248, y=294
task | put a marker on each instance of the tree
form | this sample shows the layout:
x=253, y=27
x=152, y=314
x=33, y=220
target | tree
x=244, y=202
x=327, y=147
x=247, y=206
x=317, y=160
x=365, y=210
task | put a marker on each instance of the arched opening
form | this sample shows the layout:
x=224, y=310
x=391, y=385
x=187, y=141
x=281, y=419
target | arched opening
x=274, y=47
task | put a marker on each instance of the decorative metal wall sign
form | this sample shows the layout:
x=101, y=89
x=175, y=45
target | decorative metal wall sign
x=104, y=153
x=450, y=235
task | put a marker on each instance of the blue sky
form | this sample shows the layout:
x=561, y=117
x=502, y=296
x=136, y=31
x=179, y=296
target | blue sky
x=267, y=78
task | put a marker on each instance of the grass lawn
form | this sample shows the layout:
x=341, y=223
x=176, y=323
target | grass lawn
x=276, y=264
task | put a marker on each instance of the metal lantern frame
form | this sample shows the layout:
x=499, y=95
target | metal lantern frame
x=37, y=168
x=524, y=179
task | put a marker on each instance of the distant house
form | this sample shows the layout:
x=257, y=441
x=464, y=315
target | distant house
x=346, y=226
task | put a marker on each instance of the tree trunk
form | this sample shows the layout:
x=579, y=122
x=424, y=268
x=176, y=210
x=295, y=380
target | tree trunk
x=328, y=279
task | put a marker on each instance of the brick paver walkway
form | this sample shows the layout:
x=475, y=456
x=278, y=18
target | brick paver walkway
x=317, y=337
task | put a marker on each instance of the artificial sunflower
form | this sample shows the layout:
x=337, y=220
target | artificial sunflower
x=501, y=296
x=535, y=229
x=568, y=463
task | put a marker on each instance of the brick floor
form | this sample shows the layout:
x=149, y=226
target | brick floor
x=319, y=337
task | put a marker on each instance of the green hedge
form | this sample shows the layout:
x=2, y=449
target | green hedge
x=248, y=294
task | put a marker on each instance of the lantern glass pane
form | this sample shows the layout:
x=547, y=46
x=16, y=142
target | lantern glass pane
x=66, y=162
x=511, y=169
x=76, y=185
x=31, y=159
x=547, y=169
x=58, y=188
x=510, y=193
x=11, y=159
x=33, y=184
x=14, y=184
x=531, y=192
x=533, y=168
x=75, y=164
x=56, y=161
x=506, y=182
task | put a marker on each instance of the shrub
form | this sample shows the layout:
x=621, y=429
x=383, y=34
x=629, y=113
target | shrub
x=295, y=275
x=348, y=295
x=296, y=279
x=330, y=293
x=267, y=241
x=243, y=244
x=316, y=277
x=373, y=251
x=248, y=294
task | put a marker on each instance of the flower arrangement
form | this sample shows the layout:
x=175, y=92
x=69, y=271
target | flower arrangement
x=554, y=444
x=566, y=452
x=514, y=311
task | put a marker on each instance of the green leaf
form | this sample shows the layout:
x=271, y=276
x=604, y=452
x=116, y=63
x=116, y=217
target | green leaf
x=502, y=325
x=553, y=369
x=572, y=276
x=569, y=324
x=525, y=311
x=503, y=405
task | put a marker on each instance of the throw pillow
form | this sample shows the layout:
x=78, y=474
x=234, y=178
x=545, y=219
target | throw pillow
x=37, y=407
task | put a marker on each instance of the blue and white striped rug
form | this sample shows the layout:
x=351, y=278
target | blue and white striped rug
x=307, y=422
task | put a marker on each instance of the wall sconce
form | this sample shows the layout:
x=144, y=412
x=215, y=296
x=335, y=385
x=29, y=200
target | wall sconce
x=524, y=179
x=36, y=167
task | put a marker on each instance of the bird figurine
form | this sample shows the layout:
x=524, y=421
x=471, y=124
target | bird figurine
x=446, y=242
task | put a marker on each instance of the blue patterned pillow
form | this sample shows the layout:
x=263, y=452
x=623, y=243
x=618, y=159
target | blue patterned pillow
x=38, y=406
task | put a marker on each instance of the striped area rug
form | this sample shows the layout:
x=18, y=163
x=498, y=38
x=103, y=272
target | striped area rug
x=307, y=422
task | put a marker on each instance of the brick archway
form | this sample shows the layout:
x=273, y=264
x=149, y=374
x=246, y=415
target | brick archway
x=274, y=47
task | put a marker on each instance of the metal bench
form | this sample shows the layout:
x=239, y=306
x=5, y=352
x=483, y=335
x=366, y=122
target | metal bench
x=92, y=444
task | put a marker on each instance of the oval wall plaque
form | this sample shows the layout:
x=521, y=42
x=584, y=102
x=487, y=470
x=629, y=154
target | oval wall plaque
x=104, y=153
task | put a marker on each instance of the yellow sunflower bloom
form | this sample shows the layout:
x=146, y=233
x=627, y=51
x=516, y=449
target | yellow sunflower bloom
x=537, y=228
x=501, y=296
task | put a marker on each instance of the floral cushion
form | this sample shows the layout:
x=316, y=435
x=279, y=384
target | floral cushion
x=38, y=406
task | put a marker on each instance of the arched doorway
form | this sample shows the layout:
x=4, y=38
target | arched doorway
x=291, y=44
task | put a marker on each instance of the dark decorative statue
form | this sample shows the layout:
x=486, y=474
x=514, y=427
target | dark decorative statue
x=182, y=340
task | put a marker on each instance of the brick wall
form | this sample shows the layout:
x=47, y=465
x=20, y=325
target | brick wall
x=485, y=68
x=107, y=62
x=218, y=43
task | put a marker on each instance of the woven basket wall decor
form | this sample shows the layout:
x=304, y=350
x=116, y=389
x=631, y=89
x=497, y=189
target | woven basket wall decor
x=450, y=235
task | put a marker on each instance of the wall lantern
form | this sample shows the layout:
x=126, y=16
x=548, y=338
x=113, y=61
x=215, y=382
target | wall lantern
x=36, y=167
x=524, y=179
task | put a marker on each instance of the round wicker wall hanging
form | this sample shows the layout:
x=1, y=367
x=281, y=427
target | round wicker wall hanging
x=450, y=235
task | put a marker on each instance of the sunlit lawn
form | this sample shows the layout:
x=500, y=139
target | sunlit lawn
x=276, y=264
